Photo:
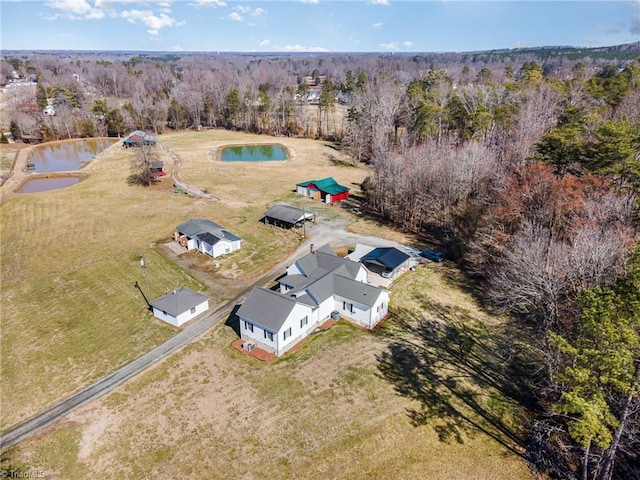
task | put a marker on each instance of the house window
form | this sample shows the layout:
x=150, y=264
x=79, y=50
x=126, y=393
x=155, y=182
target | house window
x=347, y=306
x=268, y=336
x=304, y=321
x=248, y=326
x=287, y=333
x=193, y=309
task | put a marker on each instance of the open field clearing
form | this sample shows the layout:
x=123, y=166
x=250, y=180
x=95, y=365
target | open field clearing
x=70, y=312
x=8, y=154
x=332, y=410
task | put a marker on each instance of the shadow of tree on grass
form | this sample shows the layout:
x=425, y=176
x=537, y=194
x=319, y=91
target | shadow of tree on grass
x=467, y=378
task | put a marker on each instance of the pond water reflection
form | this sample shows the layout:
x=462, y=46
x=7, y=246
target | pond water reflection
x=36, y=185
x=68, y=156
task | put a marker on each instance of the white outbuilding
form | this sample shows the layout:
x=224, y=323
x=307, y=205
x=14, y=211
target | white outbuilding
x=179, y=306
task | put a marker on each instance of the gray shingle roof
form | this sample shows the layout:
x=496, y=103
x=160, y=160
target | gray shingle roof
x=323, y=261
x=296, y=281
x=356, y=291
x=267, y=308
x=196, y=227
x=179, y=301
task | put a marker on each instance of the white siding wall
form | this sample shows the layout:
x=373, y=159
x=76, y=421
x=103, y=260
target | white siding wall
x=191, y=244
x=303, y=191
x=294, y=269
x=362, y=275
x=362, y=314
x=325, y=309
x=165, y=317
x=279, y=345
x=257, y=336
x=297, y=332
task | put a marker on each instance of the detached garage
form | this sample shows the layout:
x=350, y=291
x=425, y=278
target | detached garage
x=180, y=306
x=326, y=189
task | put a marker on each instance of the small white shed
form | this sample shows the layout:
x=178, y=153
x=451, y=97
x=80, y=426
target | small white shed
x=179, y=306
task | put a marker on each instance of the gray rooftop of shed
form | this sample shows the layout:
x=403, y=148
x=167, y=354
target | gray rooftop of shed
x=179, y=301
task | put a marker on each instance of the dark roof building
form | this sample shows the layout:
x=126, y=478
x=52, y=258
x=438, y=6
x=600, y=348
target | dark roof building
x=287, y=216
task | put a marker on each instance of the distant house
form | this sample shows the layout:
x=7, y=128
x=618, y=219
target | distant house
x=138, y=139
x=326, y=189
x=206, y=237
x=386, y=261
x=180, y=306
x=317, y=286
x=285, y=216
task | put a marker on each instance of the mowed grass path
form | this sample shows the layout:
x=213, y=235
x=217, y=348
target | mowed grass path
x=329, y=411
x=70, y=258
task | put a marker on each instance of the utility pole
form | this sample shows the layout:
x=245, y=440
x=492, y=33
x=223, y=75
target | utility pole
x=143, y=264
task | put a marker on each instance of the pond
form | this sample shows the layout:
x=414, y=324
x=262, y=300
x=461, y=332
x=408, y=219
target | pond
x=253, y=153
x=68, y=156
x=36, y=185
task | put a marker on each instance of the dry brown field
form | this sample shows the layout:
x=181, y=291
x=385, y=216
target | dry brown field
x=332, y=410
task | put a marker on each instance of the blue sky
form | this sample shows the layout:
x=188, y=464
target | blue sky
x=314, y=25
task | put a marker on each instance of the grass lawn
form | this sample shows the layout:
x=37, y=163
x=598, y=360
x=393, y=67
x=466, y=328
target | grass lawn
x=70, y=313
x=334, y=409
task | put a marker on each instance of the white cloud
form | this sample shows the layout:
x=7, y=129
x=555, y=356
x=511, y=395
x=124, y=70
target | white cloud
x=300, y=48
x=379, y=2
x=75, y=10
x=241, y=13
x=377, y=26
x=312, y=2
x=265, y=42
x=521, y=44
x=391, y=46
x=154, y=23
x=208, y=3
x=177, y=48
x=407, y=44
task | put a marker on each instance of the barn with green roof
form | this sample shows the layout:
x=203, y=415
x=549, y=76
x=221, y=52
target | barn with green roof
x=326, y=189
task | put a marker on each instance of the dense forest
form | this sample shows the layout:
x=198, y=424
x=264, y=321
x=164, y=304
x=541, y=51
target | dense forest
x=524, y=166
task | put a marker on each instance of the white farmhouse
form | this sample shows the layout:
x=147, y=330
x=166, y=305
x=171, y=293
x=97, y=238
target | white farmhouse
x=206, y=237
x=316, y=286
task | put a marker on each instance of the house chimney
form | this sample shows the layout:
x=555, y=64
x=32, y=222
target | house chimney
x=312, y=249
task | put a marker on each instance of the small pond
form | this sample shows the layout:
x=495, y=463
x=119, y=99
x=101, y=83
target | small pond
x=36, y=185
x=68, y=156
x=253, y=153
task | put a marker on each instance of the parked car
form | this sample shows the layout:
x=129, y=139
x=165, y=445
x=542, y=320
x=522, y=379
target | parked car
x=432, y=255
